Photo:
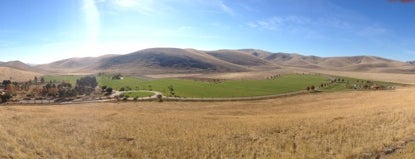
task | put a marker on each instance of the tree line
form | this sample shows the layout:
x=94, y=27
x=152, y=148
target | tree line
x=39, y=88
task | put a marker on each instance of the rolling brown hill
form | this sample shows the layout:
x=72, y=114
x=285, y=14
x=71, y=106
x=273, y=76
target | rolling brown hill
x=351, y=63
x=160, y=60
x=74, y=65
x=7, y=73
x=239, y=57
x=17, y=65
x=175, y=60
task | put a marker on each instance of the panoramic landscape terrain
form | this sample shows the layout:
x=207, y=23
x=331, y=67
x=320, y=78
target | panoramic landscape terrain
x=261, y=105
x=207, y=79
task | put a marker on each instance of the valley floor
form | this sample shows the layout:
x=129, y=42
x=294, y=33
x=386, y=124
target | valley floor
x=347, y=124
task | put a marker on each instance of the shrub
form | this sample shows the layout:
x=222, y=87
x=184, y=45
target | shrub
x=108, y=91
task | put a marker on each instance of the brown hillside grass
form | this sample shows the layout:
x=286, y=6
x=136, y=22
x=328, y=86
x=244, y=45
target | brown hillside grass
x=324, y=125
x=7, y=73
x=407, y=152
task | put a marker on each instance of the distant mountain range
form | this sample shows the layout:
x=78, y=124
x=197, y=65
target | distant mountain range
x=174, y=60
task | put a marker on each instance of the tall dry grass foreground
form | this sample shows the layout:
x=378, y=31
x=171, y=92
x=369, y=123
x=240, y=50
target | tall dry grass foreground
x=325, y=125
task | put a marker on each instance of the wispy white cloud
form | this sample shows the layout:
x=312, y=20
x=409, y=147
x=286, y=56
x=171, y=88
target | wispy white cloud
x=278, y=23
x=143, y=7
x=370, y=31
x=167, y=7
x=225, y=8
x=333, y=22
x=249, y=8
x=320, y=27
x=269, y=24
x=92, y=22
x=126, y=3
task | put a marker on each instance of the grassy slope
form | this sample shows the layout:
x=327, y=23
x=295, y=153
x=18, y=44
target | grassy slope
x=325, y=125
x=7, y=73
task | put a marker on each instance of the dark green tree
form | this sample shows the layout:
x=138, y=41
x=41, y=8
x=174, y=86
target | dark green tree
x=312, y=88
x=171, y=90
x=5, y=97
x=108, y=90
x=6, y=83
x=86, y=85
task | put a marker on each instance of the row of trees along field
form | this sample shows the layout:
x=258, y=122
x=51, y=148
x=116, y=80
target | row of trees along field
x=38, y=88
x=312, y=88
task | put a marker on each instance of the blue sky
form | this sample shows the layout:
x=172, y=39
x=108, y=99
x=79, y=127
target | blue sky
x=43, y=31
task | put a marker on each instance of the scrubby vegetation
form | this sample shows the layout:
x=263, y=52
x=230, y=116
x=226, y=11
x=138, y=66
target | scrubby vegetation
x=40, y=89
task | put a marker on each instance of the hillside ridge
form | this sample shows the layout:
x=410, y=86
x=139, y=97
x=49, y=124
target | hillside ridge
x=177, y=60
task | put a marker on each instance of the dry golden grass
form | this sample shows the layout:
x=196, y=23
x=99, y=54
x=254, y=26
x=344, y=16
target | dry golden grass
x=407, y=152
x=325, y=125
x=7, y=73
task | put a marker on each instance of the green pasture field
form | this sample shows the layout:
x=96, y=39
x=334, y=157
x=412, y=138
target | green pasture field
x=131, y=82
x=223, y=89
x=62, y=78
x=236, y=88
x=138, y=94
